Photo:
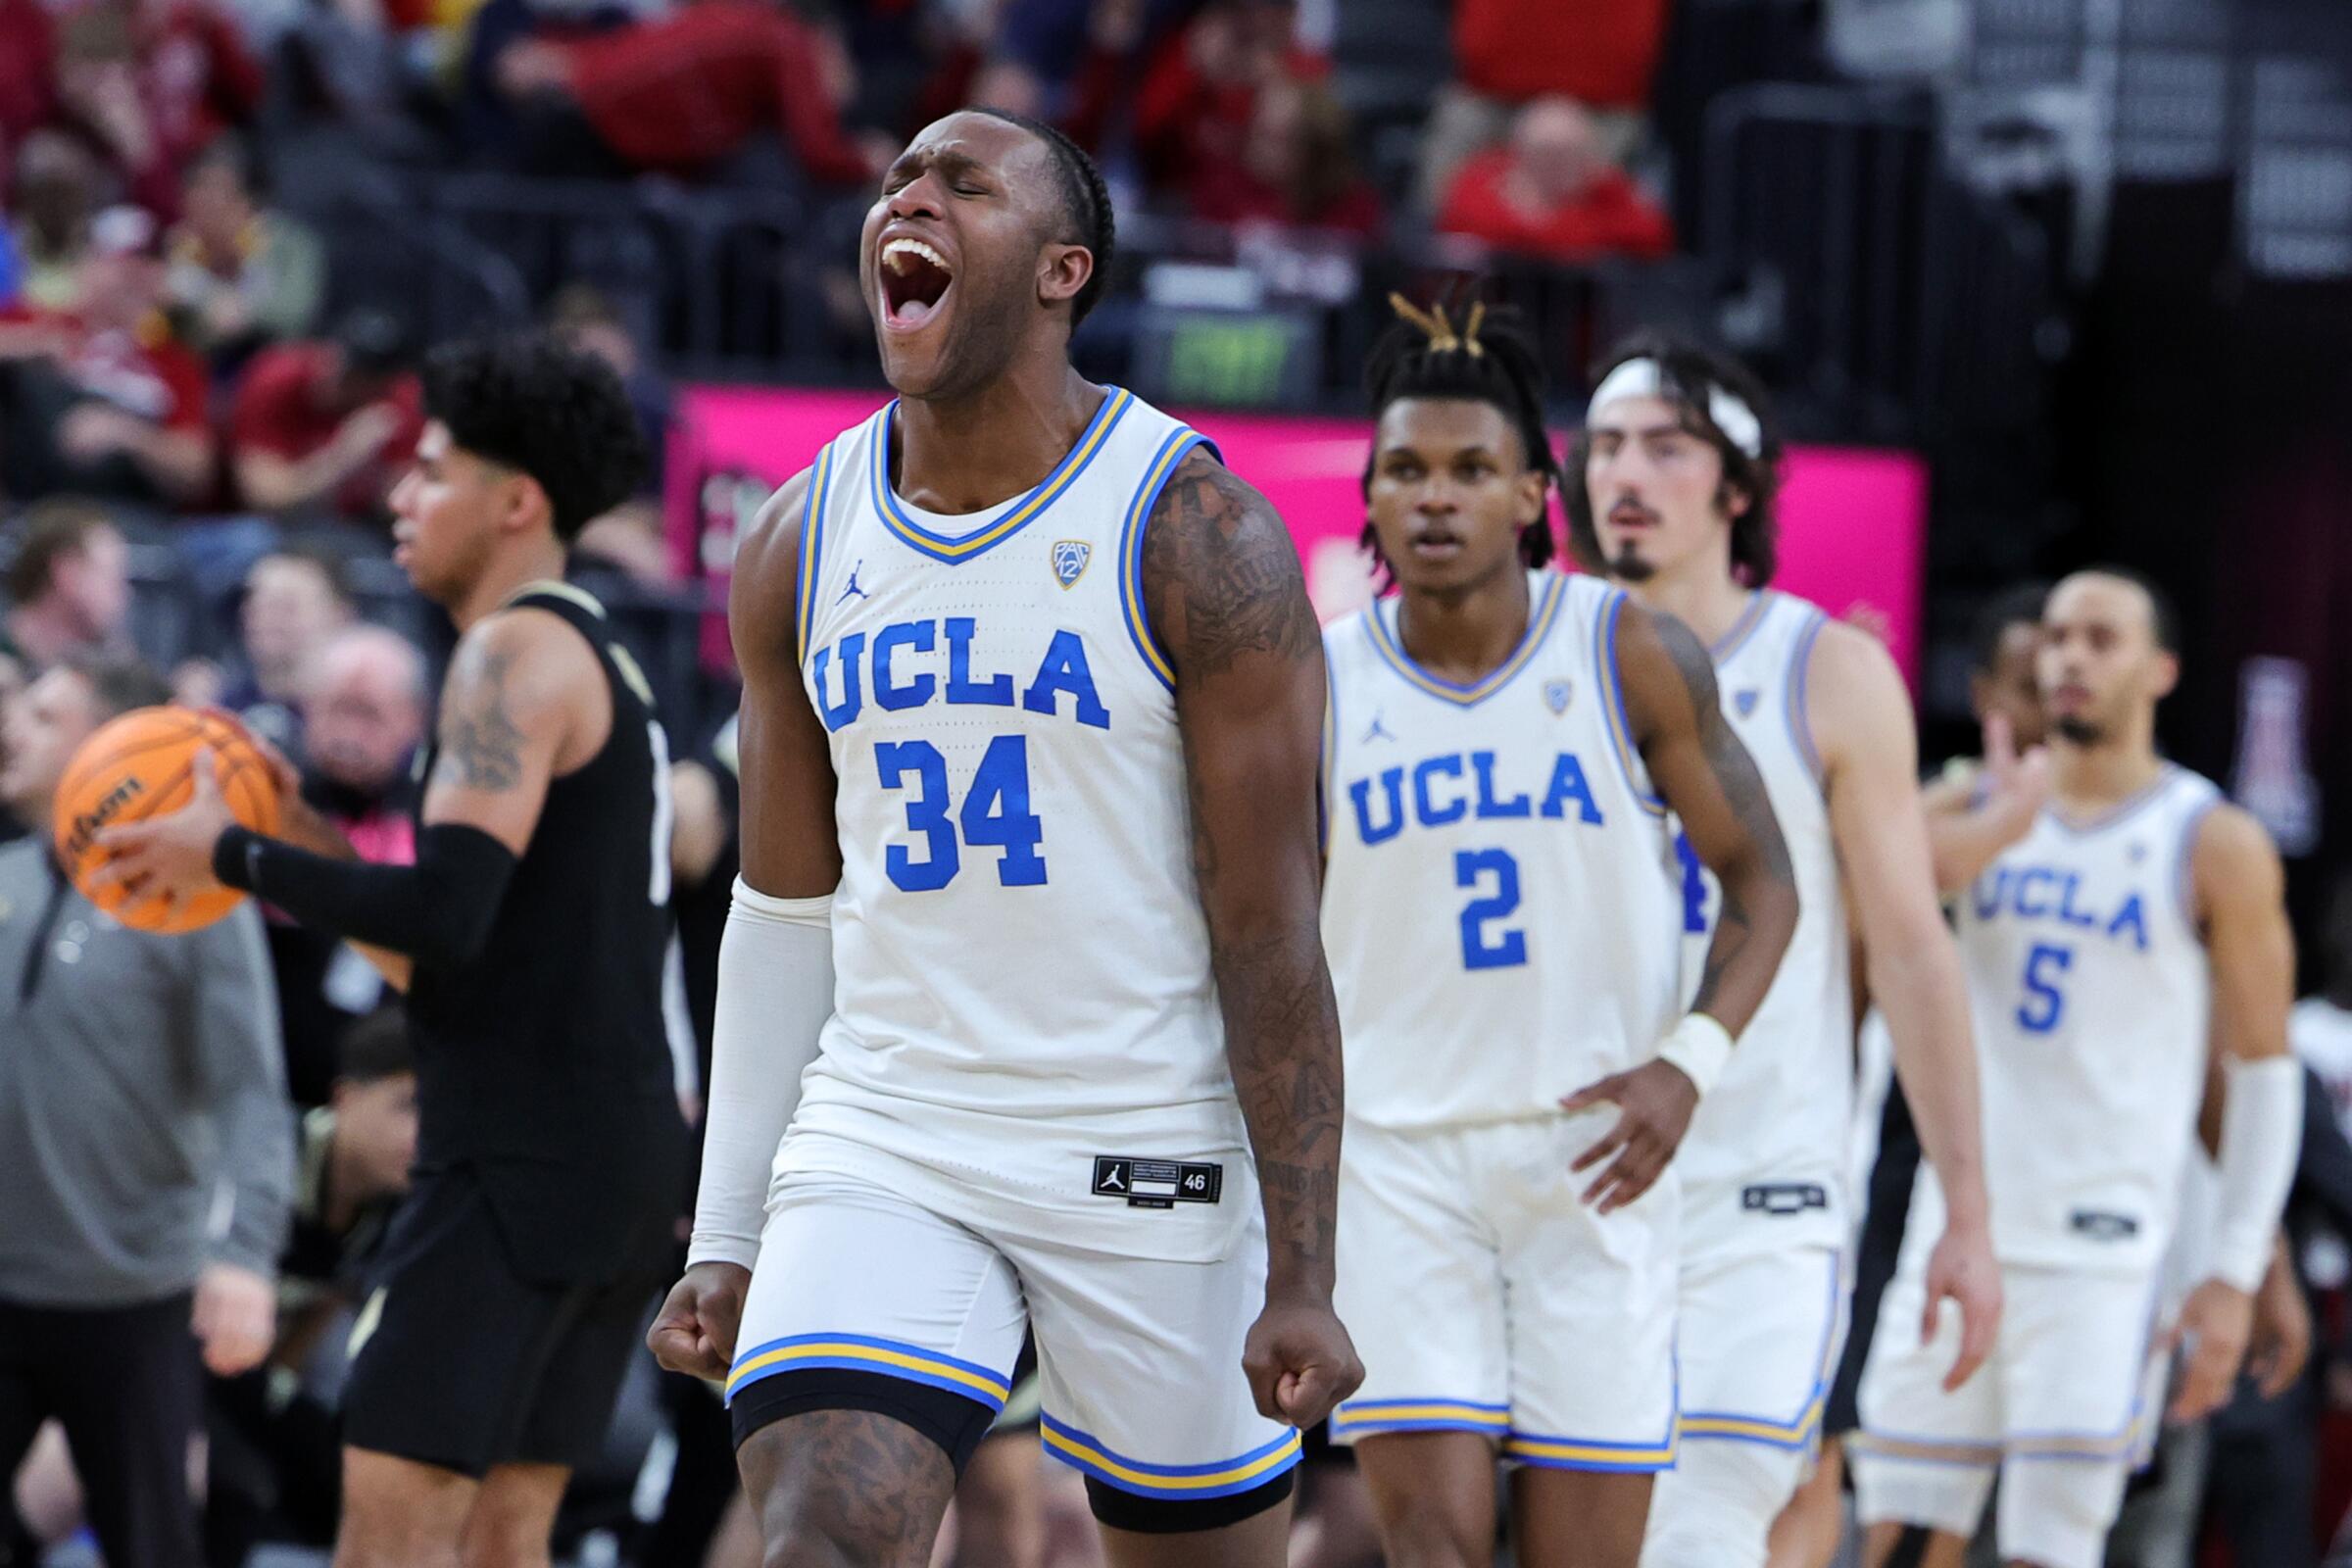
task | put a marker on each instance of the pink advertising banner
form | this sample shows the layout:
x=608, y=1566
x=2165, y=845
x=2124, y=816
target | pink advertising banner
x=1852, y=522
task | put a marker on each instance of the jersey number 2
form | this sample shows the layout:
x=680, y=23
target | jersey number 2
x=1482, y=949
x=996, y=814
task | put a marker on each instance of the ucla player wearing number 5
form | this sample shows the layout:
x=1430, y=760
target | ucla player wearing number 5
x=1672, y=494
x=530, y=938
x=2137, y=924
x=1024, y=951
x=1502, y=909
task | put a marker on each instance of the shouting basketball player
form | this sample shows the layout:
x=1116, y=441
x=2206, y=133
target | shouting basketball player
x=1032, y=694
x=1503, y=912
x=1671, y=494
x=529, y=937
x=2138, y=920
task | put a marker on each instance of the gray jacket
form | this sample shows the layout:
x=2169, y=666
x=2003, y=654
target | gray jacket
x=144, y=1127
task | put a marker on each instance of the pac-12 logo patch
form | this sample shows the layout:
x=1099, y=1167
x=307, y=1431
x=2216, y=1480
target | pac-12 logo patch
x=1745, y=702
x=1556, y=694
x=1070, y=556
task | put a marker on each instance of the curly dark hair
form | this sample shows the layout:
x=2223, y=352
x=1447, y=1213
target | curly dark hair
x=1687, y=372
x=536, y=403
x=1490, y=359
x=1085, y=203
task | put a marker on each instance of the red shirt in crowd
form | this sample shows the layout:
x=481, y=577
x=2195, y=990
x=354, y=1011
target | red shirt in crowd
x=28, y=70
x=196, y=76
x=148, y=373
x=1186, y=122
x=1228, y=194
x=283, y=409
x=679, y=93
x=1611, y=218
x=1599, y=52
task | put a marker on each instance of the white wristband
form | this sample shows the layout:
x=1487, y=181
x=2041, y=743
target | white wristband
x=1699, y=1047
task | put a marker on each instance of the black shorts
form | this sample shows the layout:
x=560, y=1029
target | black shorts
x=460, y=1363
x=1886, y=1212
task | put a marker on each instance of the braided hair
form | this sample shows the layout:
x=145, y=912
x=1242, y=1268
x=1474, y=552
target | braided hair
x=1085, y=203
x=1491, y=359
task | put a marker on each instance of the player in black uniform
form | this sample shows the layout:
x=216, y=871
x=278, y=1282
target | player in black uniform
x=529, y=937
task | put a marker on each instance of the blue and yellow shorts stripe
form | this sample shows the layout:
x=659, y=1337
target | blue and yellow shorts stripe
x=863, y=1353
x=1362, y=1418
x=1549, y=1452
x=1090, y=1456
x=1734, y=1428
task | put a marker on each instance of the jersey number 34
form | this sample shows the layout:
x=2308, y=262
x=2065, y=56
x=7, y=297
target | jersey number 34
x=994, y=813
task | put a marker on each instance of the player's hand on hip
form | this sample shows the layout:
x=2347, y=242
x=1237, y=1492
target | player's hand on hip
x=235, y=1318
x=1654, y=1103
x=695, y=1331
x=1299, y=1361
x=2216, y=1323
x=1962, y=1271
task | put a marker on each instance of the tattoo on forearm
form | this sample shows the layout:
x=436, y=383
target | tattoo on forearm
x=1735, y=773
x=1283, y=1046
x=481, y=745
x=1218, y=564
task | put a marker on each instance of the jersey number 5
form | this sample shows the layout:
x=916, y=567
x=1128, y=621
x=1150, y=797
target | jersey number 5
x=994, y=813
x=2044, y=1003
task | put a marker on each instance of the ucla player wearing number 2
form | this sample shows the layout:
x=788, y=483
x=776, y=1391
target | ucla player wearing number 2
x=1024, y=951
x=2135, y=928
x=1503, y=908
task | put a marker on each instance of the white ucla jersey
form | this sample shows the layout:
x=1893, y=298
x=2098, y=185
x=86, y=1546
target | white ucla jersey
x=1022, y=963
x=2091, y=997
x=1764, y=1163
x=1501, y=895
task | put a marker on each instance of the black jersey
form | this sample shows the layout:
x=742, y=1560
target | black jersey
x=543, y=1064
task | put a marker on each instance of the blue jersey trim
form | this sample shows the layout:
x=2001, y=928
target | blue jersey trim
x=812, y=555
x=939, y=547
x=1391, y=648
x=1223, y=1478
x=1793, y=705
x=1612, y=701
x=1730, y=642
x=865, y=1352
x=2115, y=814
x=1171, y=452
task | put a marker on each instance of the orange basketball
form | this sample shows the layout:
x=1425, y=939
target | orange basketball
x=142, y=765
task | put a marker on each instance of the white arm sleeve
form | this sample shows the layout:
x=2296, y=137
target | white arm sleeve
x=2262, y=1136
x=775, y=992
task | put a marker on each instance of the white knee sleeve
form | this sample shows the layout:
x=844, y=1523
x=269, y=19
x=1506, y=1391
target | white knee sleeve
x=1715, y=1508
x=2056, y=1512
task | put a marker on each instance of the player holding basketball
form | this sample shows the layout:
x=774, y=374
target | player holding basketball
x=531, y=930
x=1503, y=910
x=2141, y=911
x=1032, y=690
x=1672, y=492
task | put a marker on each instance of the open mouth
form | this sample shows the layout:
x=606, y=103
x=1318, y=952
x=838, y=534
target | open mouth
x=1435, y=543
x=914, y=279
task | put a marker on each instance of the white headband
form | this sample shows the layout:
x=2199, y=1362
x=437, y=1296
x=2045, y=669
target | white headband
x=1642, y=378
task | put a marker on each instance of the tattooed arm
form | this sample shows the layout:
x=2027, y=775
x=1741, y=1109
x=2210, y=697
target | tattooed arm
x=1226, y=600
x=525, y=700
x=1709, y=781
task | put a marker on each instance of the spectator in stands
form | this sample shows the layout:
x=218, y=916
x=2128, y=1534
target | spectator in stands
x=1297, y=167
x=1200, y=94
x=102, y=399
x=683, y=93
x=69, y=586
x=1506, y=53
x=50, y=200
x=363, y=716
x=140, y=1089
x=28, y=68
x=241, y=274
x=12, y=686
x=151, y=82
x=327, y=428
x=297, y=601
x=629, y=537
x=1553, y=193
